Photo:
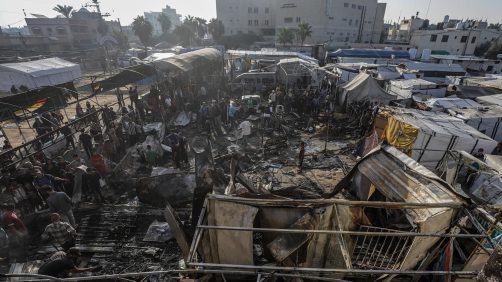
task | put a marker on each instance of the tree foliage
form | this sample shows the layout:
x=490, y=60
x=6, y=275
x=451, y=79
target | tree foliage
x=165, y=23
x=285, y=36
x=304, y=31
x=216, y=29
x=122, y=40
x=64, y=10
x=143, y=29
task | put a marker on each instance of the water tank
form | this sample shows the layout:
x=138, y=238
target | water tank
x=413, y=53
x=426, y=54
x=460, y=25
x=446, y=19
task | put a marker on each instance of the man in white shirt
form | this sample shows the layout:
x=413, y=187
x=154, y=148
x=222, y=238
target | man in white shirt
x=245, y=130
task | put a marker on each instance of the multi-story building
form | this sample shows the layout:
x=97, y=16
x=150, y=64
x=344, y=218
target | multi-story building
x=153, y=17
x=454, y=41
x=244, y=16
x=337, y=22
x=403, y=31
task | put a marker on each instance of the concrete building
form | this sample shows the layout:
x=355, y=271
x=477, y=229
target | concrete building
x=244, y=16
x=454, y=41
x=152, y=17
x=337, y=22
x=403, y=31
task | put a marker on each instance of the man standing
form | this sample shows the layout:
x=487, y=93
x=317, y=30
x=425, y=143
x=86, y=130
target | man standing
x=245, y=131
x=86, y=141
x=133, y=95
x=60, y=232
x=301, y=156
x=61, y=266
x=151, y=156
x=66, y=131
x=60, y=203
x=92, y=185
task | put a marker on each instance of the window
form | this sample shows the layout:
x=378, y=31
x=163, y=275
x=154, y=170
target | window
x=359, y=7
x=434, y=38
x=344, y=19
x=353, y=6
x=256, y=10
x=267, y=10
x=464, y=39
x=346, y=5
x=250, y=22
x=445, y=38
x=350, y=22
x=473, y=40
x=61, y=30
x=346, y=39
x=255, y=22
x=250, y=10
x=49, y=30
x=298, y=19
x=265, y=23
x=36, y=30
x=356, y=22
x=288, y=20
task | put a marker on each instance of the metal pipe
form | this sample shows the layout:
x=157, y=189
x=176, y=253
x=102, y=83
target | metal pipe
x=337, y=270
x=341, y=232
x=389, y=205
x=43, y=278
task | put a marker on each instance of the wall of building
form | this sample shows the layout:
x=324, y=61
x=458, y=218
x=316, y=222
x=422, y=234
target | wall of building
x=244, y=16
x=339, y=22
x=456, y=42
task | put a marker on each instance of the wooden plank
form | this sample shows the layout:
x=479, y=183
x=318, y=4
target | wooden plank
x=178, y=232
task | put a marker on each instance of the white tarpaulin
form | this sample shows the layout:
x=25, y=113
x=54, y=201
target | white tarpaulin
x=486, y=120
x=364, y=87
x=34, y=74
x=441, y=104
x=430, y=135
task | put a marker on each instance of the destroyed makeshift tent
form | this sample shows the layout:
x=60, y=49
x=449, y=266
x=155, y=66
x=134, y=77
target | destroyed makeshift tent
x=405, y=88
x=183, y=63
x=363, y=88
x=386, y=174
x=429, y=136
x=290, y=70
x=35, y=101
x=230, y=225
x=39, y=73
x=486, y=120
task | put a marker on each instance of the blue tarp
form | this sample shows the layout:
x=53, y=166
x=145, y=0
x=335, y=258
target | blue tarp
x=369, y=53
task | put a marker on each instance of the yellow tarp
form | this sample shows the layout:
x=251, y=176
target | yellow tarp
x=400, y=134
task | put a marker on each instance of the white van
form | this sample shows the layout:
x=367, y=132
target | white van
x=254, y=82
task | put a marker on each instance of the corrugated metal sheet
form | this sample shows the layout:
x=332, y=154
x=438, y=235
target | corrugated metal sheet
x=401, y=179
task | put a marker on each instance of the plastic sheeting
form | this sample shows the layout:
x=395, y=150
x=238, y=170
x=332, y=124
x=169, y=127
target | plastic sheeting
x=364, y=87
x=486, y=120
x=39, y=73
x=428, y=136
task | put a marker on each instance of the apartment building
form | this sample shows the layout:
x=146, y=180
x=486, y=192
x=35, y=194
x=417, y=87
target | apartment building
x=171, y=13
x=244, y=16
x=403, y=31
x=336, y=22
x=454, y=41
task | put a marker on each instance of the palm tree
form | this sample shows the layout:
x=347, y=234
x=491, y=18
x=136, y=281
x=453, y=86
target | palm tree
x=285, y=36
x=304, y=31
x=184, y=34
x=64, y=10
x=216, y=28
x=201, y=27
x=165, y=23
x=143, y=29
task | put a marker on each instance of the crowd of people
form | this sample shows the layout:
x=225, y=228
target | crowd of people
x=100, y=137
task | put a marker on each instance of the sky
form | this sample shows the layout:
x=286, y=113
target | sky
x=11, y=10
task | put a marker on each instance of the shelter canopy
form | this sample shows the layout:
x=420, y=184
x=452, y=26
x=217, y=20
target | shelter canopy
x=39, y=73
